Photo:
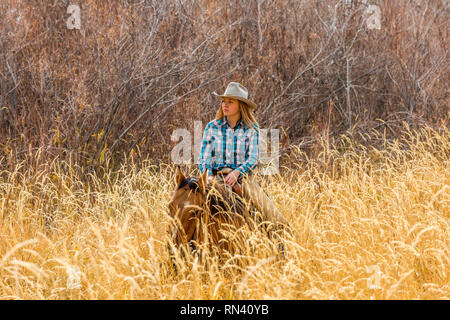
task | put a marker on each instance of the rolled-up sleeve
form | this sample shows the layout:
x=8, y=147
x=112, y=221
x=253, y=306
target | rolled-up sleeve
x=252, y=152
x=204, y=161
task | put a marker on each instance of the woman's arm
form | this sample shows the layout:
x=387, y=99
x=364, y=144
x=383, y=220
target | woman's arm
x=204, y=161
x=253, y=152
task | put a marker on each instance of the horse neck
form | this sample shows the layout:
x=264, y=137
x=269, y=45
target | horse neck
x=219, y=200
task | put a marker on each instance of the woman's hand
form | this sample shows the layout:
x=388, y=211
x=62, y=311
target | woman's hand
x=232, y=177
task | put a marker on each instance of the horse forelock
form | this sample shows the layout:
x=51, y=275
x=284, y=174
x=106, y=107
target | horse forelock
x=190, y=182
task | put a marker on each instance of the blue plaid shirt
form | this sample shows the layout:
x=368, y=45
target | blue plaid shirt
x=223, y=146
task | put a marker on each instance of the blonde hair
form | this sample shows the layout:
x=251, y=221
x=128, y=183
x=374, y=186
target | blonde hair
x=246, y=114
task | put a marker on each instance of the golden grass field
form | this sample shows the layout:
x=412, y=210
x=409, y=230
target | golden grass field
x=368, y=224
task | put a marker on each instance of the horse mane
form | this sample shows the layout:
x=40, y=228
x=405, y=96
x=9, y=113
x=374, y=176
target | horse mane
x=219, y=197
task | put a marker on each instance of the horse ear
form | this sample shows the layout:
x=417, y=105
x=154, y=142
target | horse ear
x=179, y=176
x=202, y=181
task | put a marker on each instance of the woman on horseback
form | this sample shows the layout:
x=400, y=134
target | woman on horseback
x=230, y=149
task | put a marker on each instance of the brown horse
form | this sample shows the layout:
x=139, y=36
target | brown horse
x=206, y=212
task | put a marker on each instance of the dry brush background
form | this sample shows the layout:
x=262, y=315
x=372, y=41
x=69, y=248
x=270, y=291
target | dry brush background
x=86, y=118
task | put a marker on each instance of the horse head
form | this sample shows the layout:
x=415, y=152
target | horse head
x=197, y=204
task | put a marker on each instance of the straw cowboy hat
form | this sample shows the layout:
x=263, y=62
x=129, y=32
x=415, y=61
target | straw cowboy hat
x=237, y=91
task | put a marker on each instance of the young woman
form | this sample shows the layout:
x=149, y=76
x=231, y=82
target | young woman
x=230, y=147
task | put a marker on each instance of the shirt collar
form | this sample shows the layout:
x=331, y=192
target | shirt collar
x=240, y=123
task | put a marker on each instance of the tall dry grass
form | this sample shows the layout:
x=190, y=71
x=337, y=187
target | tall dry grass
x=368, y=224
